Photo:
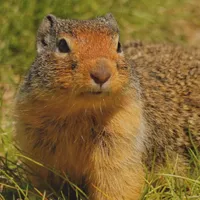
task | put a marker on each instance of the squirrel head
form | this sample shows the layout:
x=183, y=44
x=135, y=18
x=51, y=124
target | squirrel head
x=82, y=59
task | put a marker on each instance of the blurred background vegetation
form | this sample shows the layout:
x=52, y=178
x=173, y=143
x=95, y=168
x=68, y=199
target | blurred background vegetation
x=174, y=21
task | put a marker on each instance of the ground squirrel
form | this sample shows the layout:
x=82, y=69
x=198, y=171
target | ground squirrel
x=98, y=112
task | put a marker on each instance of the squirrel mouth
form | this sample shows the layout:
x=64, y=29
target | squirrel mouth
x=96, y=93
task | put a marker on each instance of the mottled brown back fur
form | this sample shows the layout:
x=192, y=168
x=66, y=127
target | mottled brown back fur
x=170, y=81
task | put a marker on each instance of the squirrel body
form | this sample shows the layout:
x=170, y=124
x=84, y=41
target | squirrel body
x=169, y=76
x=96, y=115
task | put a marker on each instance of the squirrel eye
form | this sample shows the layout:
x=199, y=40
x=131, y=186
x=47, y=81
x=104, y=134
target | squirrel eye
x=119, y=47
x=63, y=46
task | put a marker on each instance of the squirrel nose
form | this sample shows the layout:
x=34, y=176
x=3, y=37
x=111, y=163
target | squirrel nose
x=100, y=78
x=101, y=73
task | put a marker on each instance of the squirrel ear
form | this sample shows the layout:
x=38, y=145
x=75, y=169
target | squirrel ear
x=45, y=31
x=109, y=16
x=111, y=20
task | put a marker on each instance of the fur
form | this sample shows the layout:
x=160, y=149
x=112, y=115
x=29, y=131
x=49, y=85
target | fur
x=101, y=136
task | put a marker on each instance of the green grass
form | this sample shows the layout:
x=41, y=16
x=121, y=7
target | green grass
x=175, y=21
x=164, y=185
